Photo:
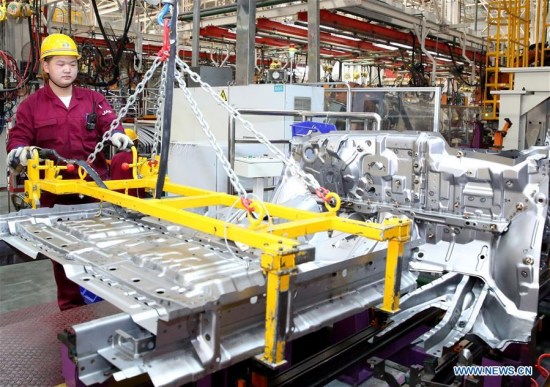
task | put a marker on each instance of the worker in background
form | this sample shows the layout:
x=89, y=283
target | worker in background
x=68, y=119
x=275, y=64
x=120, y=165
x=477, y=135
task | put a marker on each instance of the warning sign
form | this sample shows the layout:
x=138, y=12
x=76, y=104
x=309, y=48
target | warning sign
x=223, y=95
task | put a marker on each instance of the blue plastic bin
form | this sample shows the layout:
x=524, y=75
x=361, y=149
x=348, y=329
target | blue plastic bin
x=89, y=297
x=305, y=128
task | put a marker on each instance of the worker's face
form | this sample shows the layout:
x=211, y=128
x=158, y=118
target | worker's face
x=62, y=70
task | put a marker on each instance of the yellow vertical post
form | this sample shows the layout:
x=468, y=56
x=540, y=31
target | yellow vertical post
x=392, y=283
x=278, y=268
x=542, y=34
x=32, y=188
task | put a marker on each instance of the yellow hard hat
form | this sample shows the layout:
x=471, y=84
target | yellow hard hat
x=58, y=44
x=131, y=133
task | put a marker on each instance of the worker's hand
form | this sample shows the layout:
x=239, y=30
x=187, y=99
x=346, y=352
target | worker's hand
x=121, y=141
x=20, y=156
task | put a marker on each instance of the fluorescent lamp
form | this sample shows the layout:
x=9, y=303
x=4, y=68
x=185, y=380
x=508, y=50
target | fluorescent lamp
x=401, y=45
x=385, y=46
x=345, y=37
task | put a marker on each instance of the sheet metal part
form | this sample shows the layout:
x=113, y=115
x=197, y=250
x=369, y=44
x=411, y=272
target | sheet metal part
x=189, y=306
x=479, y=217
x=280, y=251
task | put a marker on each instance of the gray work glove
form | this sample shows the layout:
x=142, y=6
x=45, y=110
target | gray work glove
x=20, y=156
x=121, y=140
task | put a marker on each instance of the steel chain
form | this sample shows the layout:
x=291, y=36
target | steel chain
x=211, y=139
x=159, y=112
x=308, y=179
x=131, y=101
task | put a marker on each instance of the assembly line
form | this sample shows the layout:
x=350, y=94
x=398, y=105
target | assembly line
x=236, y=225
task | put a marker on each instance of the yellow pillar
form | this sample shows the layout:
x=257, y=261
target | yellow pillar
x=279, y=269
x=392, y=283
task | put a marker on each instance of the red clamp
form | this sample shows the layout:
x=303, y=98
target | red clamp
x=164, y=52
x=246, y=204
x=322, y=192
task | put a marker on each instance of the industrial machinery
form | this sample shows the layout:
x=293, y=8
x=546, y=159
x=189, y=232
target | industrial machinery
x=478, y=222
x=204, y=280
x=193, y=303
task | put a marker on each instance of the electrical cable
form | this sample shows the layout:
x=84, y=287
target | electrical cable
x=115, y=55
x=458, y=69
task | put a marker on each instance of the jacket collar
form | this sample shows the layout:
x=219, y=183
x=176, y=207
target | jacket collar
x=78, y=92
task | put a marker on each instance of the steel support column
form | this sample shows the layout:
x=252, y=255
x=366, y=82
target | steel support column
x=195, y=48
x=313, y=52
x=246, y=33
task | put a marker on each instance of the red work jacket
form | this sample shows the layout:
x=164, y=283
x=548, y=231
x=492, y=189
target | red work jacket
x=43, y=120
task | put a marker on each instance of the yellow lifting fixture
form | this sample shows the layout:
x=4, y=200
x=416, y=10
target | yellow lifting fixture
x=281, y=251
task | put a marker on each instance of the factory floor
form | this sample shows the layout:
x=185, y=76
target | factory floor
x=24, y=282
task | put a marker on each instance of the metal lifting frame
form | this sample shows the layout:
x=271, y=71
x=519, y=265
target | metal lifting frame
x=281, y=252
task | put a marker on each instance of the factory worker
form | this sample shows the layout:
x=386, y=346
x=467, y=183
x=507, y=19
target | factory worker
x=69, y=119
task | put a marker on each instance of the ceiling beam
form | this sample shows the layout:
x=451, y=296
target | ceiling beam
x=400, y=16
x=386, y=34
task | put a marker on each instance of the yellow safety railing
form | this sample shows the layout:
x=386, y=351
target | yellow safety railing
x=508, y=23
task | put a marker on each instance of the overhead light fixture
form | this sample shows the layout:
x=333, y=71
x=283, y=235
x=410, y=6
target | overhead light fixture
x=443, y=59
x=401, y=45
x=385, y=46
x=346, y=37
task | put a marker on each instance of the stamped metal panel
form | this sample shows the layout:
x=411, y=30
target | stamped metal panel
x=194, y=304
x=476, y=214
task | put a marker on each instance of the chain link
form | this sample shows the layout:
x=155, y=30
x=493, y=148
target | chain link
x=211, y=139
x=289, y=162
x=131, y=101
x=160, y=112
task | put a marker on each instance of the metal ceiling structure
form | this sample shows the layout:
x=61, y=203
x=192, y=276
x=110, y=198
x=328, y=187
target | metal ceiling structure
x=284, y=22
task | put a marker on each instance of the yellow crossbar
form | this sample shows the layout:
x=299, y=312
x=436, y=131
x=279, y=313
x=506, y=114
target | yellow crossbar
x=280, y=249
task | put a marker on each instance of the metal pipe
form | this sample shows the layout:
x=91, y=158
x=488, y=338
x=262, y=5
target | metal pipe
x=314, y=47
x=437, y=108
x=308, y=114
x=231, y=152
x=472, y=64
x=195, y=40
x=476, y=17
x=421, y=34
x=227, y=56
